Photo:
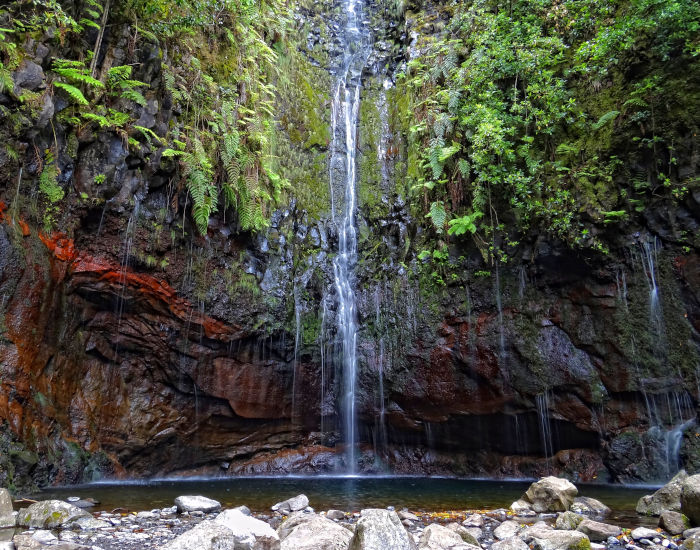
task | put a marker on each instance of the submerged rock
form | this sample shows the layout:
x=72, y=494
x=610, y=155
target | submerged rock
x=295, y=504
x=666, y=498
x=381, y=530
x=196, y=503
x=50, y=514
x=590, y=507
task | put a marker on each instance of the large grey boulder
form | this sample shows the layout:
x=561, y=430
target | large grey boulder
x=589, y=507
x=690, y=498
x=7, y=518
x=196, y=503
x=294, y=504
x=597, y=531
x=666, y=498
x=641, y=533
x=506, y=530
x=249, y=533
x=313, y=532
x=50, y=514
x=549, y=494
x=568, y=521
x=380, y=530
x=673, y=523
x=207, y=535
x=28, y=75
x=468, y=535
x=439, y=537
x=554, y=539
x=514, y=543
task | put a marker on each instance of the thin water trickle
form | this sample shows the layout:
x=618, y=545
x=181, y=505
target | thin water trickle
x=501, y=330
x=542, y=402
x=297, y=341
x=344, y=121
x=322, y=349
x=649, y=251
x=382, y=408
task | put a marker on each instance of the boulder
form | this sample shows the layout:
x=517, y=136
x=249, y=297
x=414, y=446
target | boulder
x=673, y=523
x=549, y=494
x=597, y=531
x=560, y=540
x=196, y=503
x=692, y=542
x=89, y=523
x=568, y=521
x=313, y=532
x=513, y=543
x=589, y=507
x=467, y=535
x=207, y=535
x=7, y=545
x=50, y=514
x=643, y=533
x=380, y=530
x=249, y=533
x=475, y=520
x=506, y=530
x=336, y=514
x=666, y=498
x=690, y=498
x=288, y=506
x=28, y=75
x=7, y=518
x=439, y=537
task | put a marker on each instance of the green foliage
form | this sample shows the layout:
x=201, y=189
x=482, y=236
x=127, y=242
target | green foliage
x=75, y=93
x=508, y=115
x=120, y=84
x=438, y=215
x=459, y=226
x=48, y=180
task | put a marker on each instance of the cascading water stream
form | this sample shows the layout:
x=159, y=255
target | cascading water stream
x=343, y=171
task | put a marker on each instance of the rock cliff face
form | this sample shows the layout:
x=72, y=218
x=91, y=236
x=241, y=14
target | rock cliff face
x=131, y=347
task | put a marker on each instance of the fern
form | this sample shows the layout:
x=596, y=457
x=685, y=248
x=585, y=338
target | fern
x=199, y=173
x=78, y=76
x=99, y=119
x=607, y=117
x=438, y=215
x=6, y=82
x=133, y=95
x=148, y=134
x=73, y=92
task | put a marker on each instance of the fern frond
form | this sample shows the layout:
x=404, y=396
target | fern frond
x=133, y=95
x=607, y=117
x=73, y=92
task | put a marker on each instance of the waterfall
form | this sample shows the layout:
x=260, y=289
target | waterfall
x=297, y=341
x=343, y=171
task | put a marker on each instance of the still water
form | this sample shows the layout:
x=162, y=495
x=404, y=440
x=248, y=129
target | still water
x=344, y=493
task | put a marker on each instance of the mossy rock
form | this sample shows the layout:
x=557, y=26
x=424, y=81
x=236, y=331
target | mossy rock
x=50, y=514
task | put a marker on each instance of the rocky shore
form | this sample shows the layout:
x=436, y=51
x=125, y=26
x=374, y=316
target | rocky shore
x=549, y=516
